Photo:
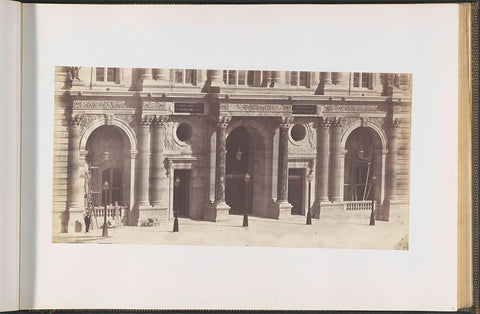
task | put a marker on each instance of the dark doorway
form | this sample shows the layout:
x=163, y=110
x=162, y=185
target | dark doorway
x=238, y=190
x=113, y=193
x=181, y=192
x=295, y=190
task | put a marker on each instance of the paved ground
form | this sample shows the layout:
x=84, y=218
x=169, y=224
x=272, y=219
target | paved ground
x=291, y=232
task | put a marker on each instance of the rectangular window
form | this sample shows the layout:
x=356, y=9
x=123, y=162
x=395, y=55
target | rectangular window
x=356, y=79
x=100, y=74
x=111, y=74
x=303, y=79
x=179, y=76
x=294, y=78
x=250, y=78
x=241, y=77
x=232, y=77
x=366, y=80
x=189, y=76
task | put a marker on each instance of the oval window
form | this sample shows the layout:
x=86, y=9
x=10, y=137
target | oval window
x=298, y=132
x=184, y=132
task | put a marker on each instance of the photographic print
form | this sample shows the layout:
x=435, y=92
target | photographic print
x=231, y=157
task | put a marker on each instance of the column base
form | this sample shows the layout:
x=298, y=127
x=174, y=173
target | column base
x=217, y=211
x=148, y=215
x=396, y=211
x=332, y=89
x=317, y=208
x=72, y=220
x=281, y=209
x=332, y=211
x=148, y=84
x=213, y=86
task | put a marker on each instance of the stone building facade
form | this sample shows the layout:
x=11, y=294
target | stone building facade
x=212, y=143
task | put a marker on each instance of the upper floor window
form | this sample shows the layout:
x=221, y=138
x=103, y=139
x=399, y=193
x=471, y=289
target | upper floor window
x=185, y=76
x=362, y=80
x=106, y=75
x=298, y=78
x=238, y=77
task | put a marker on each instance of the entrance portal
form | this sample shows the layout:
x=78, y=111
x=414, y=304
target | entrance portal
x=181, y=192
x=295, y=190
x=240, y=161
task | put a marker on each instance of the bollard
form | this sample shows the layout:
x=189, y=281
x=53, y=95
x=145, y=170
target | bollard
x=175, y=221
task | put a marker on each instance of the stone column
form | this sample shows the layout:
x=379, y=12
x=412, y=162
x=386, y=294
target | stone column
x=161, y=76
x=323, y=159
x=282, y=187
x=214, y=81
x=282, y=208
x=158, y=168
x=144, y=163
x=392, y=161
x=221, y=158
x=219, y=210
x=146, y=74
x=278, y=79
x=337, y=78
x=75, y=188
x=335, y=161
x=326, y=78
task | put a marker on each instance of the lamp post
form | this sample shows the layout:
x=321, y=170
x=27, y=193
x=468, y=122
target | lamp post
x=246, y=179
x=372, y=215
x=309, y=213
x=106, y=186
x=175, y=210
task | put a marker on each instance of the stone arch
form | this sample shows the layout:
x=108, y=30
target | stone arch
x=122, y=125
x=379, y=132
x=259, y=136
x=255, y=129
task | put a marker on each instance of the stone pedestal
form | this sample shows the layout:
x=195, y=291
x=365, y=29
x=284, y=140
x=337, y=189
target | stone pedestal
x=214, y=81
x=281, y=209
x=217, y=211
x=330, y=211
x=75, y=220
x=395, y=211
x=156, y=213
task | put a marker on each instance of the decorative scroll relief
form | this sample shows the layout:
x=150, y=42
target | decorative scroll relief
x=99, y=104
x=256, y=107
x=88, y=119
x=156, y=105
x=350, y=108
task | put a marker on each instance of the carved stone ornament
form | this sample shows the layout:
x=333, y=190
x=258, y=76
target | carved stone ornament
x=88, y=119
x=256, y=107
x=350, y=108
x=76, y=121
x=109, y=119
x=395, y=123
x=99, y=104
x=285, y=122
x=324, y=122
x=364, y=122
x=223, y=121
x=147, y=120
x=160, y=120
x=337, y=122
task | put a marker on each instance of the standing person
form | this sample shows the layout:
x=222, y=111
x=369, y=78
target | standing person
x=87, y=221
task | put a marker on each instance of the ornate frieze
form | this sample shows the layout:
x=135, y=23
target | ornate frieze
x=99, y=104
x=257, y=108
x=350, y=108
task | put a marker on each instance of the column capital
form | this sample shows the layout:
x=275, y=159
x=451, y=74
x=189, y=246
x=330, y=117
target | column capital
x=75, y=121
x=285, y=122
x=394, y=123
x=145, y=121
x=160, y=120
x=324, y=123
x=336, y=122
x=223, y=121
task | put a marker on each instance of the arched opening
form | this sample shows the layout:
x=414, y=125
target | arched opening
x=108, y=164
x=363, y=168
x=239, y=162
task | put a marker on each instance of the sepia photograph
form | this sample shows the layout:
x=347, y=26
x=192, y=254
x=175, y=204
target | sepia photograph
x=256, y=158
